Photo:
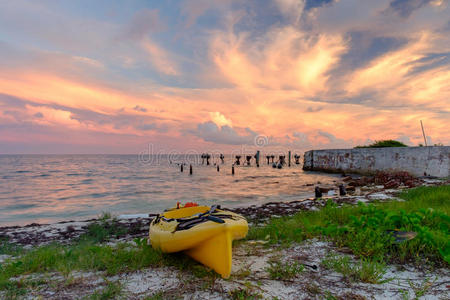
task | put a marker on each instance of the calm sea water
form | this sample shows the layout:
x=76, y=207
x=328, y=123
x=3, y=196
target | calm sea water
x=49, y=188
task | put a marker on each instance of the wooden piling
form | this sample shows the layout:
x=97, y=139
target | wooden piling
x=342, y=191
x=190, y=169
x=289, y=158
x=317, y=193
x=181, y=169
x=232, y=170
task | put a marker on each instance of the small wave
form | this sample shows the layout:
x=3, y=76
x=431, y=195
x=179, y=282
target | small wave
x=124, y=194
x=19, y=206
x=42, y=175
x=98, y=195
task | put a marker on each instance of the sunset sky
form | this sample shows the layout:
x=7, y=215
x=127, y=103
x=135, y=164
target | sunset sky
x=195, y=75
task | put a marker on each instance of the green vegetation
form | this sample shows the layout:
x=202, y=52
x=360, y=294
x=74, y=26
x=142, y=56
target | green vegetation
x=8, y=248
x=103, y=229
x=157, y=296
x=84, y=256
x=285, y=271
x=363, y=228
x=366, y=271
x=113, y=290
x=244, y=294
x=88, y=256
x=383, y=144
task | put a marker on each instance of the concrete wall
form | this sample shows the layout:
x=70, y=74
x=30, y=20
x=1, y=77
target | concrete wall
x=434, y=161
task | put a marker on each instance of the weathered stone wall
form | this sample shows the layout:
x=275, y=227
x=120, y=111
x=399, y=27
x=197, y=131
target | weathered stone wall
x=434, y=161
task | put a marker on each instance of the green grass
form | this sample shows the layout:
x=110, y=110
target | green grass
x=8, y=248
x=366, y=270
x=283, y=270
x=244, y=294
x=363, y=228
x=83, y=257
x=103, y=229
x=113, y=290
x=88, y=256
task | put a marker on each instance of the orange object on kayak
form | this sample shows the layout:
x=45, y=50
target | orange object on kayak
x=190, y=204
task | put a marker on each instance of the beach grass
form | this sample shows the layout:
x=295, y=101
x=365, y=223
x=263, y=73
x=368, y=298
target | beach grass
x=103, y=229
x=8, y=248
x=368, y=229
x=112, y=290
x=64, y=259
x=284, y=270
x=86, y=255
x=366, y=270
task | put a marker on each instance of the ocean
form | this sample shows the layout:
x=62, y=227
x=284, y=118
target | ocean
x=52, y=188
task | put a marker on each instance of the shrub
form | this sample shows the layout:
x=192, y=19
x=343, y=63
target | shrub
x=383, y=144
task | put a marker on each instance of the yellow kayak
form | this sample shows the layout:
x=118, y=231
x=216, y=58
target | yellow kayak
x=202, y=232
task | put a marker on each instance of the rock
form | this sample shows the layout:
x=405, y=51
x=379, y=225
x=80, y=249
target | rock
x=410, y=183
x=391, y=184
x=350, y=188
x=348, y=178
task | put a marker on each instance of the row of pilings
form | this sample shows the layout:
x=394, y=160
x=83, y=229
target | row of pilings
x=277, y=161
x=247, y=160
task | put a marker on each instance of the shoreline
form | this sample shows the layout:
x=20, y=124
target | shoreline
x=360, y=189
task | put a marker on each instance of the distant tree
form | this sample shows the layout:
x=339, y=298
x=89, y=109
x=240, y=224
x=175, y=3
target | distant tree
x=384, y=143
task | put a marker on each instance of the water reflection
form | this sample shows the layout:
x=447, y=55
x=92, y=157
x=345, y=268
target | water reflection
x=47, y=188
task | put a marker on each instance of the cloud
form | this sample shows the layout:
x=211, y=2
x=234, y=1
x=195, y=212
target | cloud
x=365, y=46
x=430, y=61
x=219, y=119
x=139, y=108
x=314, y=109
x=291, y=8
x=41, y=25
x=318, y=139
x=404, y=8
x=193, y=9
x=210, y=132
x=284, y=58
x=310, y=4
x=159, y=58
x=447, y=26
x=143, y=23
x=79, y=119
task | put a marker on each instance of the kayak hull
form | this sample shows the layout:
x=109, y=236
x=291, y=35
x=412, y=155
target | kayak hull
x=209, y=242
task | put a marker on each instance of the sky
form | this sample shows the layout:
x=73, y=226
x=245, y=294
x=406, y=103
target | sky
x=199, y=75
